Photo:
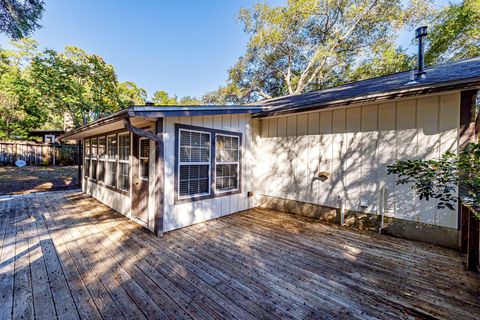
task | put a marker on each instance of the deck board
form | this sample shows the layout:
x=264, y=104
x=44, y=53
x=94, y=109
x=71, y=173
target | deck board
x=64, y=255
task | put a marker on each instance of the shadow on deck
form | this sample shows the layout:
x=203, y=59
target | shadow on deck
x=65, y=255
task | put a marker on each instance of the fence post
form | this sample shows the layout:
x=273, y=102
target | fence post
x=473, y=242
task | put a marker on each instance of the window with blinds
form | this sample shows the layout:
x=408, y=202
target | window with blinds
x=207, y=163
x=226, y=162
x=194, y=163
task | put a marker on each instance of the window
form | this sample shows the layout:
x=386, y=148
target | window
x=107, y=160
x=194, y=163
x=111, y=161
x=101, y=159
x=143, y=154
x=226, y=162
x=87, y=158
x=93, y=171
x=123, y=161
x=207, y=163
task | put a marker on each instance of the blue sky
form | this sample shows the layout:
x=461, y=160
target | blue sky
x=184, y=47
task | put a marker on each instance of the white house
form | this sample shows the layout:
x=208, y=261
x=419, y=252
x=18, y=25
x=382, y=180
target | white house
x=318, y=154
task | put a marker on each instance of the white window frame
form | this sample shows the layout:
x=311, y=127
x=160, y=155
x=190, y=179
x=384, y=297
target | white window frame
x=217, y=191
x=180, y=163
x=109, y=161
x=140, y=158
x=127, y=161
x=87, y=158
x=94, y=157
x=102, y=159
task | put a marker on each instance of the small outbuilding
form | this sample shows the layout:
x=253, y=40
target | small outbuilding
x=322, y=154
x=48, y=136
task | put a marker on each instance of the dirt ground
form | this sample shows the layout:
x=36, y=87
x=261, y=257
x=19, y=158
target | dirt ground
x=30, y=179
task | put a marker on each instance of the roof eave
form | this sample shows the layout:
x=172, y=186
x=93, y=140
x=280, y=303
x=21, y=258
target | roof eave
x=158, y=112
x=380, y=96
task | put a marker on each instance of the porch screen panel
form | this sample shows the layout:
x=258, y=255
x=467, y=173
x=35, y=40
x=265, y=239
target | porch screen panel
x=123, y=161
x=111, y=160
x=194, y=163
x=101, y=159
x=226, y=162
x=87, y=157
x=94, y=156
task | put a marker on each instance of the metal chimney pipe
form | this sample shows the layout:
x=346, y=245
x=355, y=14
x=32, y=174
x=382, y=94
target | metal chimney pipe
x=420, y=34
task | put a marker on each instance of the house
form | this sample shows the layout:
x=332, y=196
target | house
x=322, y=154
x=48, y=136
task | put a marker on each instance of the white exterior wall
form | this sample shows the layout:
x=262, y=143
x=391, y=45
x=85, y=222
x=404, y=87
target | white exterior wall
x=180, y=215
x=115, y=200
x=355, y=145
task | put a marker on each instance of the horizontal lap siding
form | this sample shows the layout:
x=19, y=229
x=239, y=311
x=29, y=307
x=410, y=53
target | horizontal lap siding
x=181, y=215
x=355, y=145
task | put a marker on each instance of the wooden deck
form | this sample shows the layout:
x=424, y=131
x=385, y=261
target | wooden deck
x=64, y=255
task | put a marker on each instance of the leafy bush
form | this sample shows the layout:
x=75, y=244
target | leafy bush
x=441, y=178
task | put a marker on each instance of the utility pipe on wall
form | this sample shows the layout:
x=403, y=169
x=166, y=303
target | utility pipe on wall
x=382, y=209
x=342, y=210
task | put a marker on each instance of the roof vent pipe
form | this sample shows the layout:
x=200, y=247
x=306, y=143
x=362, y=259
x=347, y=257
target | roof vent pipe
x=420, y=34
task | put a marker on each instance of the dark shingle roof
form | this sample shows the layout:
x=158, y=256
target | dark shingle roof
x=439, y=76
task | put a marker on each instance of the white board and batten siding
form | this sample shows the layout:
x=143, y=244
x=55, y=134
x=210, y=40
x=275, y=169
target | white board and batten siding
x=184, y=214
x=355, y=145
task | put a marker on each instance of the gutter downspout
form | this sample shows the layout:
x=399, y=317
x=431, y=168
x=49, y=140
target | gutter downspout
x=159, y=167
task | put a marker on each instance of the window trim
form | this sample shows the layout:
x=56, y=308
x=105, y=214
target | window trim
x=108, y=161
x=179, y=163
x=228, y=162
x=140, y=158
x=126, y=133
x=115, y=188
x=213, y=193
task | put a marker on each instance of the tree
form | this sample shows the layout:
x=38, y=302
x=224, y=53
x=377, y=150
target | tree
x=78, y=83
x=189, y=101
x=441, y=178
x=385, y=60
x=162, y=98
x=19, y=19
x=22, y=107
x=456, y=33
x=130, y=94
x=310, y=44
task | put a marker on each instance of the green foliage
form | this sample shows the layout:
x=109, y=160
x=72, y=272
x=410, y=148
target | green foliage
x=22, y=107
x=441, y=178
x=162, y=98
x=19, y=18
x=130, y=94
x=456, y=33
x=311, y=44
x=385, y=60
x=47, y=90
x=80, y=84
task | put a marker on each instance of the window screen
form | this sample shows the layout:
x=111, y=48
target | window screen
x=144, y=152
x=226, y=162
x=101, y=159
x=123, y=161
x=111, y=160
x=87, y=158
x=194, y=163
x=94, y=154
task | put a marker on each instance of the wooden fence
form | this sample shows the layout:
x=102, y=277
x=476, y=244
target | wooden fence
x=35, y=154
x=470, y=241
